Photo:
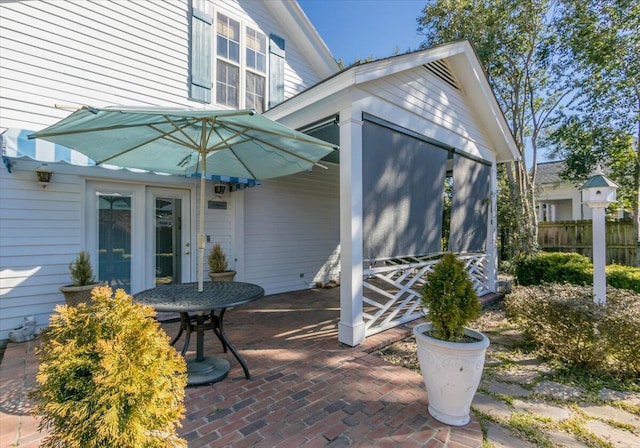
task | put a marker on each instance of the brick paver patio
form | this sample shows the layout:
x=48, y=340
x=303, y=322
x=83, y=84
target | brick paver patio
x=306, y=388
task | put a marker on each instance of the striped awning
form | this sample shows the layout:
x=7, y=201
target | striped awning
x=15, y=144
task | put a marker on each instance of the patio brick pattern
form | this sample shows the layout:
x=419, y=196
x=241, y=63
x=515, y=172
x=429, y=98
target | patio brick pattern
x=306, y=388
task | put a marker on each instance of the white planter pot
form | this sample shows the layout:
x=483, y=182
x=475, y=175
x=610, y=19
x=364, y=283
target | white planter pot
x=451, y=372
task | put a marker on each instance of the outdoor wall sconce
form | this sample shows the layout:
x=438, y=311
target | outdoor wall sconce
x=44, y=174
x=219, y=189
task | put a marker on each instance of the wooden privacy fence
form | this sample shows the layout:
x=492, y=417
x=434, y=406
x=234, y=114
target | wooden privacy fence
x=577, y=236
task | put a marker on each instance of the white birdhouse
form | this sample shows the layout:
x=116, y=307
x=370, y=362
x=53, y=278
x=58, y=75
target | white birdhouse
x=599, y=191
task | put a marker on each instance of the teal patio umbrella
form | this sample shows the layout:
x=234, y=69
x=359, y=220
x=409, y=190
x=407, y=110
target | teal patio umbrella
x=188, y=142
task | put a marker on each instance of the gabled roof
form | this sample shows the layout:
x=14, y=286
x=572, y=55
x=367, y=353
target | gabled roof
x=299, y=27
x=468, y=71
x=549, y=172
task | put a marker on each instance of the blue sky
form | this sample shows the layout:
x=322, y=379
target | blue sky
x=357, y=29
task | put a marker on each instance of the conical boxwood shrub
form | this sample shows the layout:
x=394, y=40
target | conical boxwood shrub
x=108, y=377
x=449, y=298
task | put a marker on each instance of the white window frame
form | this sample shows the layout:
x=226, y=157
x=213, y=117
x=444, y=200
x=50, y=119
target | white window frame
x=255, y=71
x=242, y=64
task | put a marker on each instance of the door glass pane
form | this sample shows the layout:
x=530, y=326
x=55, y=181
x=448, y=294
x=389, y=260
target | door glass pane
x=114, y=240
x=168, y=226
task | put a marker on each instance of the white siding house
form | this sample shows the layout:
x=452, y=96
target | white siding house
x=285, y=234
x=556, y=199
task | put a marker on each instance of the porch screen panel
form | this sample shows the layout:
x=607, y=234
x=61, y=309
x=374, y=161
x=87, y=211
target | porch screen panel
x=470, y=205
x=403, y=183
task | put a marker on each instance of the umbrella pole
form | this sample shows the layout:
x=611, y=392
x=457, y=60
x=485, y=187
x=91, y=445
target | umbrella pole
x=201, y=237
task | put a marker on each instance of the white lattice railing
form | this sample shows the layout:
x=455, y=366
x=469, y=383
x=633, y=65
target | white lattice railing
x=391, y=287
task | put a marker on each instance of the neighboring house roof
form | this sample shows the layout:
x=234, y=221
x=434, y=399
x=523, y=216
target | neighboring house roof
x=468, y=72
x=549, y=173
x=299, y=27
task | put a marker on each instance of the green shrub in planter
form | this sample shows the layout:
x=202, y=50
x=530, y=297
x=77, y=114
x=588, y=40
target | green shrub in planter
x=450, y=299
x=217, y=259
x=565, y=324
x=108, y=377
x=81, y=271
x=554, y=267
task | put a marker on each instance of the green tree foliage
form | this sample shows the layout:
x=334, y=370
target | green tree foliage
x=450, y=299
x=516, y=44
x=108, y=377
x=602, y=43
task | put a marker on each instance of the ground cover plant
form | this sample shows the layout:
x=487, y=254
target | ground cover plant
x=563, y=323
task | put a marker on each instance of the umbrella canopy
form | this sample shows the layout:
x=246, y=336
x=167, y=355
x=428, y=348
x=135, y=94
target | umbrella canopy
x=239, y=143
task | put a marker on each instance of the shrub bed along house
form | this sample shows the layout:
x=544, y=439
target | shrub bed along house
x=564, y=323
x=562, y=267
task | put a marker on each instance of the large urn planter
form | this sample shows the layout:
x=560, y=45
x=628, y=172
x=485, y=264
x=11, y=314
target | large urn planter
x=75, y=295
x=451, y=372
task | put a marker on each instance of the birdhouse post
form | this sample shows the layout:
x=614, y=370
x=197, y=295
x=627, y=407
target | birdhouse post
x=598, y=193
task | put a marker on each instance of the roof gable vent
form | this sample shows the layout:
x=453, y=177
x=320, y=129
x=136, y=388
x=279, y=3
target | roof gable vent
x=442, y=70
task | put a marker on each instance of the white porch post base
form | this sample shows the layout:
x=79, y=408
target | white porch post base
x=351, y=334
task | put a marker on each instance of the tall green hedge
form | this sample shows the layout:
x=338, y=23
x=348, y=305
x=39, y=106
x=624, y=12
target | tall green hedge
x=554, y=267
x=562, y=267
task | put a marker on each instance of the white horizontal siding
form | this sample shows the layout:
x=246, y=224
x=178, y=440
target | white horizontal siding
x=425, y=95
x=39, y=236
x=111, y=53
x=90, y=52
x=292, y=227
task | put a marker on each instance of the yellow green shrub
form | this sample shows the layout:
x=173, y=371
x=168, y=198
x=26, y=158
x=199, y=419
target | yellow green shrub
x=108, y=377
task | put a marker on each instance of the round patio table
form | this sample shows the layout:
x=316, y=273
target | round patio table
x=184, y=299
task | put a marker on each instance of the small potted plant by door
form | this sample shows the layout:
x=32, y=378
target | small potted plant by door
x=83, y=281
x=217, y=260
x=451, y=356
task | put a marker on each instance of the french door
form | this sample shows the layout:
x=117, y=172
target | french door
x=138, y=236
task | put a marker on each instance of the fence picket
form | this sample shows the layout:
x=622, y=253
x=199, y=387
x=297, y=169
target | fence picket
x=577, y=236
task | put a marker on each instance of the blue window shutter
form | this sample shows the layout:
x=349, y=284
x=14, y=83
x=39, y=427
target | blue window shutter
x=200, y=53
x=276, y=70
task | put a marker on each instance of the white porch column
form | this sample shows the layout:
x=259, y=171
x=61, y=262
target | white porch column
x=351, y=329
x=492, y=235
